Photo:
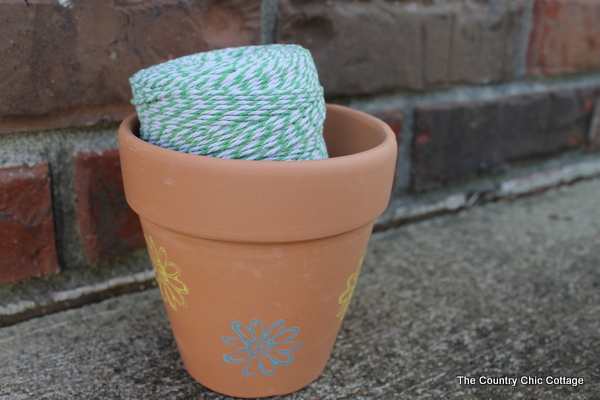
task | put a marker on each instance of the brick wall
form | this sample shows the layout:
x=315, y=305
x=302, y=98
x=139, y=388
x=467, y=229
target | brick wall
x=472, y=88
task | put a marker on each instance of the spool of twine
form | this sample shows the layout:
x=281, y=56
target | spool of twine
x=249, y=103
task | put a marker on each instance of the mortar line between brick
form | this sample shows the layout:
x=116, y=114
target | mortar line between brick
x=403, y=169
x=268, y=21
x=523, y=42
x=594, y=131
x=528, y=85
x=57, y=213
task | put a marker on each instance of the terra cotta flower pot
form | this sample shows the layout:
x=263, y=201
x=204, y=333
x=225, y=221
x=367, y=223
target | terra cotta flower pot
x=257, y=261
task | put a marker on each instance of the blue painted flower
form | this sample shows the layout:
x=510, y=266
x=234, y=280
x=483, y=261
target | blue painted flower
x=260, y=349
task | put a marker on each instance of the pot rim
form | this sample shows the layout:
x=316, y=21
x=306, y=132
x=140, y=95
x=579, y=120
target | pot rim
x=249, y=200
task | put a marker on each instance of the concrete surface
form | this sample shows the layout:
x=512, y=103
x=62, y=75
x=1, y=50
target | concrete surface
x=510, y=289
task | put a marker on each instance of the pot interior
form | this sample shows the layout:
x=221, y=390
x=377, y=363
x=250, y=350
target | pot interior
x=344, y=133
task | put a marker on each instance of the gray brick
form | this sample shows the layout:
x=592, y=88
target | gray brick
x=461, y=140
x=378, y=46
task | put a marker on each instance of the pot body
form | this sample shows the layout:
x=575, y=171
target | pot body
x=257, y=260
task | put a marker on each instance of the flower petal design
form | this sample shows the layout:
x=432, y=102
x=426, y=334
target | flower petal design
x=162, y=258
x=287, y=335
x=243, y=331
x=286, y=347
x=176, y=283
x=152, y=252
x=163, y=291
x=238, y=357
x=257, y=328
x=281, y=358
x=251, y=366
x=267, y=366
x=261, y=350
x=171, y=270
x=173, y=298
x=346, y=296
x=167, y=275
x=235, y=343
x=275, y=329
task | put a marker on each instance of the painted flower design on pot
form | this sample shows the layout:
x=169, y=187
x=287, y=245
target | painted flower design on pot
x=259, y=349
x=167, y=274
x=346, y=296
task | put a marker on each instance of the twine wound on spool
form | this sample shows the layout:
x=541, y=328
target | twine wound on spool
x=249, y=103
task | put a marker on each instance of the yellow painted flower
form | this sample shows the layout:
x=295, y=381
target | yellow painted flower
x=167, y=274
x=346, y=296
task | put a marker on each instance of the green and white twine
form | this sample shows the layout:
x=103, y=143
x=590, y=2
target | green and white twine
x=249, y=103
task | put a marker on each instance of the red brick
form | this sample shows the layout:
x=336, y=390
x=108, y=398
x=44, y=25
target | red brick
x=70, y=65
x=393, y=118
x=108, y=227
x=372, y=46
x=462, y=140
x=565, y=37
x=27, y=247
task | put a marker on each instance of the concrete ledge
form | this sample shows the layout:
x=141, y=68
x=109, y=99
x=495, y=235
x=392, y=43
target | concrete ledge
x=509, y=289
x=24, y=300
x=415, y=208
x=81, y=295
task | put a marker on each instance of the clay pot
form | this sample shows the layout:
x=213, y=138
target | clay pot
x=257, y=260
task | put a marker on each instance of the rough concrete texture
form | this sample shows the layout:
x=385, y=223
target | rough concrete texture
x=68, y=61
x=373, y=46
x=510, y=289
